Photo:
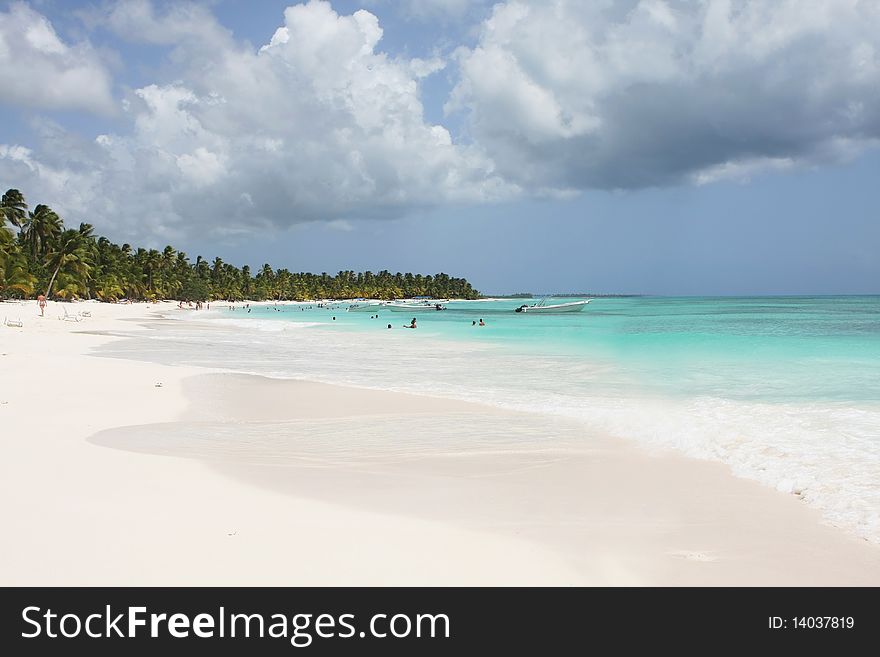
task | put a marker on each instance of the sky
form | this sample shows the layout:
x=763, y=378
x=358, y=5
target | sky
x=617, y=146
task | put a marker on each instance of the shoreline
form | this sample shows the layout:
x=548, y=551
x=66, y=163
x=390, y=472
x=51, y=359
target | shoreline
x=610, y=515
x=615, y=514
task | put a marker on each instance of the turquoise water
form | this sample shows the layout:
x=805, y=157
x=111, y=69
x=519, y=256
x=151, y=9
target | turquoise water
x=784, y=390
x=762, y=348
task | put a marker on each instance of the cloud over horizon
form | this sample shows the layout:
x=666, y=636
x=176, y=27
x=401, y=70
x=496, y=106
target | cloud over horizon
x=320, y=123
x=650, y=93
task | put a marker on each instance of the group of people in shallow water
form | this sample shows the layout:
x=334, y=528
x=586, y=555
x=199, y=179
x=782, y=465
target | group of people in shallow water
x=189, y=304
x=247, y=307
x=412, y=324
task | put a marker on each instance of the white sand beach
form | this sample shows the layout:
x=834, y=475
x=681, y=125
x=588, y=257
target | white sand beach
x=86, y=510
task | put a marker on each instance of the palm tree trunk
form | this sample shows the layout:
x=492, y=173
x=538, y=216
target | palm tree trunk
x=52, y=281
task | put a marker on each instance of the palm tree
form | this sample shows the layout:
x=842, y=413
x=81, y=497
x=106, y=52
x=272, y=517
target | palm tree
x=108, y=288
x=13, y=208
x=202, y=269
x=86, y=231
x=42, y=227
x=5, y=234
x=217, y=268
x=152, y=262
x=14, y=274
x=70, y=253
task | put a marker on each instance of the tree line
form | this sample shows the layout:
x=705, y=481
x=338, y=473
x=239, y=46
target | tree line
x=39, y=255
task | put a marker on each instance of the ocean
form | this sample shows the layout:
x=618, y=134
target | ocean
x=784, y=390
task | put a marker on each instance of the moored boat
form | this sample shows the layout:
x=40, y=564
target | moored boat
x=541, y=307
x=366, y=307
x=415, y=307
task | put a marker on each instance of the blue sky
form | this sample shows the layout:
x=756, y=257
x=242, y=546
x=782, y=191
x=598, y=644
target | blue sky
x=643, y=146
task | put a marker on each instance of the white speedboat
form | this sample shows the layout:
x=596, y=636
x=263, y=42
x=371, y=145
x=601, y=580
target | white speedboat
x=366, y=307
x=541, y=307
x=415, y=307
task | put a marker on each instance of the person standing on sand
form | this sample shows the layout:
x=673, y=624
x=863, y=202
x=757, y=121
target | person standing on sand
x=41, y=301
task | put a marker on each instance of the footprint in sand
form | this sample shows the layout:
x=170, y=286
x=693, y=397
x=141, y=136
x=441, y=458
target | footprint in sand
x=692, y=555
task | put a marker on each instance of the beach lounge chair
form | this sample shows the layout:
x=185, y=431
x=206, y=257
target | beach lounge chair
x=12, y=322
x=70, y=317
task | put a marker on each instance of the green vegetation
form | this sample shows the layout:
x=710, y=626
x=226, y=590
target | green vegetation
x=38, y=255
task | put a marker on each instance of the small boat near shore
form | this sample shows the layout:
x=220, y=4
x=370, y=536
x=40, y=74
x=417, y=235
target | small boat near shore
x=548, y=309
x=414, y=307
x=366, y=307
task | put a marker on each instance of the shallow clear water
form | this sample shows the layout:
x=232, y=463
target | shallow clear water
x=769, y=349
x=785, y=390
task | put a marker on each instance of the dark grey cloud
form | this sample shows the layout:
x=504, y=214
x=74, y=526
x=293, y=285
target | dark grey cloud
x=577, y=95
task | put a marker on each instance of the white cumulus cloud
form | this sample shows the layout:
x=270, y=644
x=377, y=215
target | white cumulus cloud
x=39, y=70
x=316, y=124
x=319, y=122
